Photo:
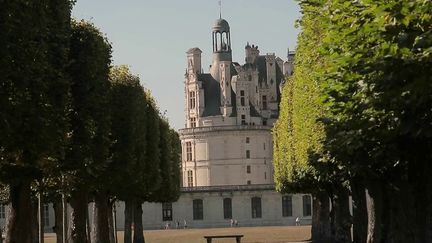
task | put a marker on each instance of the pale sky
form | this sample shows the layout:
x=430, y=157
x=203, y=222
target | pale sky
x=152, y=36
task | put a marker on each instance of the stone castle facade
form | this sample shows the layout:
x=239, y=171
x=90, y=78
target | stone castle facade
x=229, y=114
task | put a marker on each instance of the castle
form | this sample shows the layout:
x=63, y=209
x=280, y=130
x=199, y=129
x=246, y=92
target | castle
x=229, y=114
x=227, y=170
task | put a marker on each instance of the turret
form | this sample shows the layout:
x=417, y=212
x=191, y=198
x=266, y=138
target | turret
x=221, y=41
x=221, y=47
x=194, y=60
x=252, y=53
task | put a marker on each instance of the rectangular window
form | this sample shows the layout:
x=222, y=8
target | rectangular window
x=2, y=211
x=264, y=122
x=265, y=175
x=307, y=205
x=193, y=122
x=192, y=99
x=247, y=140
x=286, y=206
x=248, y=182
x=256, y=207
x=264, y=146
x=247, y=154
x=46, y=215
x=248, y=169
x=264, y=102
x=242, y=98
x=198, y=213
x=167, y=211
x=190, y=178
x=227, y=207
x=188, y=151
x=243, y=119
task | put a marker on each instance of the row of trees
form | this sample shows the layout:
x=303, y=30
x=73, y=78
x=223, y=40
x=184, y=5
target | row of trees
x=75, y=129
x=356, y=120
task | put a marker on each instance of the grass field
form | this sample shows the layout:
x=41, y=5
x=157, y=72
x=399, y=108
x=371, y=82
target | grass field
x=276, y=234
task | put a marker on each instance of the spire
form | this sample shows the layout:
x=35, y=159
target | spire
x=220, y=9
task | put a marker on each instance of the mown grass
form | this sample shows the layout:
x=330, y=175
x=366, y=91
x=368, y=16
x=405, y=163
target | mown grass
x=273, y=234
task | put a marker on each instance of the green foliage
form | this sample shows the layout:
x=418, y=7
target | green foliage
x=145, y=151
x=33, y=86
x=359, y=101
x=378, y=85
x=128, y=132
x=90, y=58
x=298, y=132
x=170, y=150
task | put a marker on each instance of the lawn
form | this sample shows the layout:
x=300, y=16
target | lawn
x=274, y=234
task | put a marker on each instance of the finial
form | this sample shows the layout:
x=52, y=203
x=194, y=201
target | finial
x=220, y=9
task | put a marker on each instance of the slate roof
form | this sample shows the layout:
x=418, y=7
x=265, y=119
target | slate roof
x=221, y=25
x=212, y=89
x=211, y=95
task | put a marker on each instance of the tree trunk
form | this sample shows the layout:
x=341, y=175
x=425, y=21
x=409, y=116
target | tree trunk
x=78, y=217
x=20, y=220
x=64, y=219
x=101, y=213
x=111, y=223
x=138, y=226
x=35, y=223
x=41, y=218
x=342, y=216
x=398, y=216
x=421, y=191
x=58, y=221
x=321, y=217
x=360, y=219
x=428, y=214
x=88, y=230
x=115, y=221
x=374, y=203
x=129, y=205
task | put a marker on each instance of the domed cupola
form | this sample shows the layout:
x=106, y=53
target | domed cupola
x=221, y=37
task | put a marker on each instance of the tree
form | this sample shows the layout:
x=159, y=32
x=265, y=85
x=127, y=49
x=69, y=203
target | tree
x=129, y=144
x=33, y=99
x=300, y=160
x=378, y=88
x=147, y=167
x=371, y=85
x=87, y=153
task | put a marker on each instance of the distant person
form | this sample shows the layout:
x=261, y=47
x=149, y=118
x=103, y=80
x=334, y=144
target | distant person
x=235, y=223
x=167, y=226
x=231, y=222
x=184, y=224
x=297, y=221
x=177, y=224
